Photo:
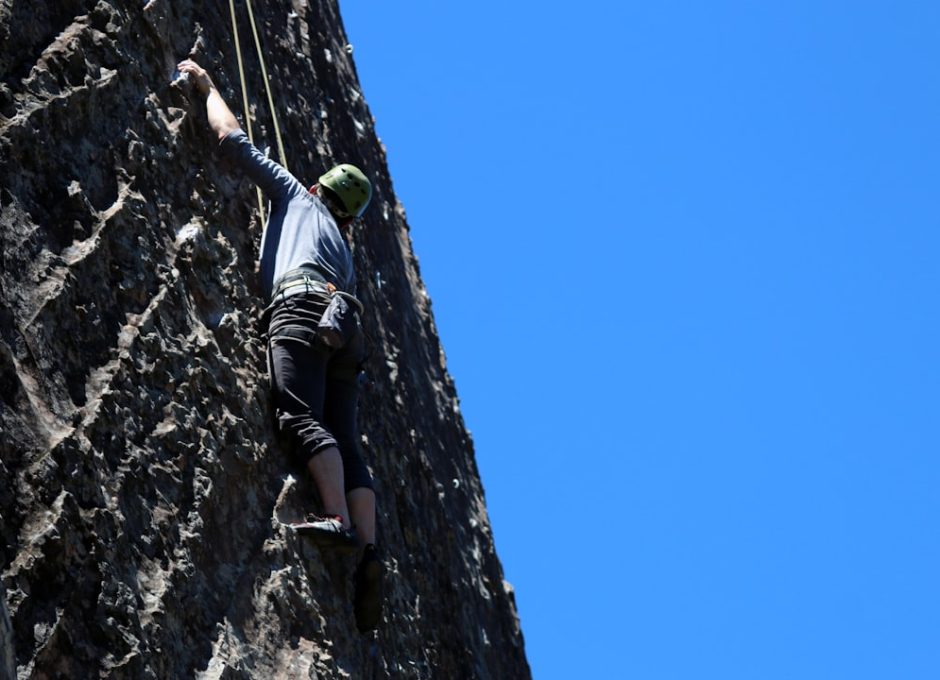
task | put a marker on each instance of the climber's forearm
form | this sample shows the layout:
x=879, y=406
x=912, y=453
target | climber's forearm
x=221, y=119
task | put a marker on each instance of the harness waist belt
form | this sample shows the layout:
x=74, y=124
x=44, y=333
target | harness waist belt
x=301, y=280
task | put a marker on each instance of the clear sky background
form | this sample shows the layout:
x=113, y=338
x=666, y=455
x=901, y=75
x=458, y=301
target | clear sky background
x=684, y=261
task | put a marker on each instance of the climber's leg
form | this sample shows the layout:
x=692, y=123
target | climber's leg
x=340, y=415
x=361, y=504
x=298, y=366
x=326, y=468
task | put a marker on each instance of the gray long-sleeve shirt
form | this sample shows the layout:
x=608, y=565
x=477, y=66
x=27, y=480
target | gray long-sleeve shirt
x=300, y=230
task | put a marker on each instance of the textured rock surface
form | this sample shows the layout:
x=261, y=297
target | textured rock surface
x=140, y=481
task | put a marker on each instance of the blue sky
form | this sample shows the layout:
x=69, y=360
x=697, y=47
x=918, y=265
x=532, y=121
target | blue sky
x=683, y=258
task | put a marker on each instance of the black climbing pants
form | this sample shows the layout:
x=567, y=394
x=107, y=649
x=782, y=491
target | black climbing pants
x=315, y=387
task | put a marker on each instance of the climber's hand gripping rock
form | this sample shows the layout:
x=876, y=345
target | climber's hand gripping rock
x=199, y=75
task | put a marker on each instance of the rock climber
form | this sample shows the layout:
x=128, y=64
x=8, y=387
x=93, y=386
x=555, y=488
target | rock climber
x=305, y=264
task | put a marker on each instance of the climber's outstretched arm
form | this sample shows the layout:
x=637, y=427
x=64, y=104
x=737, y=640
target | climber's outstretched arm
x=221, y=119
x=277, y=184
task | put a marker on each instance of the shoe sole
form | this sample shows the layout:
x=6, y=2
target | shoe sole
x=369, y=610
x=324, y=538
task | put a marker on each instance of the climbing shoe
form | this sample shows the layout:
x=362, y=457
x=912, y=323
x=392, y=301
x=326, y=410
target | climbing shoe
x=326, y=531
x=367, y=599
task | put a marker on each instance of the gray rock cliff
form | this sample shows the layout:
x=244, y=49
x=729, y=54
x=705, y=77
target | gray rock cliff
x=142, y=487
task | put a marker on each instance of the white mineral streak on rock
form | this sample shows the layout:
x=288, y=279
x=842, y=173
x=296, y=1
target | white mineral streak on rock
x=187, y=233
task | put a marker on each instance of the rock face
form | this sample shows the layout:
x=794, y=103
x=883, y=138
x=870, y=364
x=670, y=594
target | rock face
x=141, y=482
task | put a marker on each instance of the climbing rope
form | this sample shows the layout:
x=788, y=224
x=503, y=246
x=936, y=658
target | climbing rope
x=267, y=86
x=241, y=75
x=267, y=89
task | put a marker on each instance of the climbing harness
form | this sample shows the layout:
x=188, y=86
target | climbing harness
x=339, y=321
x=267, y=88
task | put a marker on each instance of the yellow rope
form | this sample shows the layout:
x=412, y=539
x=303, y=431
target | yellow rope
x=267, y=87
x=241, y=75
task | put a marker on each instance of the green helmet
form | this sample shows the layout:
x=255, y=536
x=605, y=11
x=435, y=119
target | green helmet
x=351, y=186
